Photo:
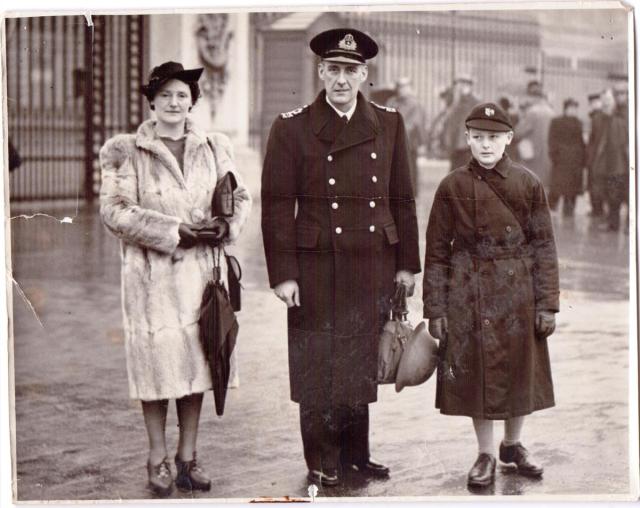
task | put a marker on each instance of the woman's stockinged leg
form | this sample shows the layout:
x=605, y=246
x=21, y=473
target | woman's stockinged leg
x=155, y=420
x=188, y=418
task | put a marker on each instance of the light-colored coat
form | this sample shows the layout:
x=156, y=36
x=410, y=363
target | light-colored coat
x=534, y=126
x=144, y=198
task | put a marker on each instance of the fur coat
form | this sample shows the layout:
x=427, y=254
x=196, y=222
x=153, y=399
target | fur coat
x=143, y=199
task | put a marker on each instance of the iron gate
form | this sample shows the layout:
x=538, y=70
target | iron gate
x=70, y=86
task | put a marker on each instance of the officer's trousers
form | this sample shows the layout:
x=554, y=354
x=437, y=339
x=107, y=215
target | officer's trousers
x=333, y=436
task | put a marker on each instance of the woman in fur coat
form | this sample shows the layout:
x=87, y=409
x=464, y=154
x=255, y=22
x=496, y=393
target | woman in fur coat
x=157, y=187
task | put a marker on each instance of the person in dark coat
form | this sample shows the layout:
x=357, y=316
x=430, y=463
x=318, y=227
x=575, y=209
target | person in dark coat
x=339, y=227
x=491, y=293
x=414, y=117
x=463, y=101
x=594, y=185
x=617, y=150
x=568, y=156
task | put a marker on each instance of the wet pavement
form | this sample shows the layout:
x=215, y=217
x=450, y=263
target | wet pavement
x=79, y=437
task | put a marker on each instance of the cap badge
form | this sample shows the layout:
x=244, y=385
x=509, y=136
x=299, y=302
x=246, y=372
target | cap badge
x=489, y=111
x=348, y=43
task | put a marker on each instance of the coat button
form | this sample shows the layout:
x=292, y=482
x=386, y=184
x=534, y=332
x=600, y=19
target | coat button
x=332, y=181
x=510, y=272
x=374, y=155
x=374, y=178
x=508, y=229
x=334, y=206
x=372, y=204
x=372, y=228
x=486, y=322
x=338, y=230
x=479, y=177
x=197, y=215
x=330, y=158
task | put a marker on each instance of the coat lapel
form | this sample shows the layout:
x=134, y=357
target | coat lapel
x=362, y=127
x=323, y=119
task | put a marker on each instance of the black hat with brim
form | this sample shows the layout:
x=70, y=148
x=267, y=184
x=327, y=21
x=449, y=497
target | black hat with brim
x=344, y=45
x=488, y=116
x=166, y=71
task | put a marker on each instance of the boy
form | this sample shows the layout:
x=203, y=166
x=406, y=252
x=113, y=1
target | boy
x=491, y=291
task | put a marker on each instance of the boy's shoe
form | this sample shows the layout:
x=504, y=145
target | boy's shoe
x=190, y=475
x=518, y=455
x=483, y=472
x=160, y=480
x=328, y=478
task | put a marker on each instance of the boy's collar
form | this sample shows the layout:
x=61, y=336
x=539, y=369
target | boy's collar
x=503, y=167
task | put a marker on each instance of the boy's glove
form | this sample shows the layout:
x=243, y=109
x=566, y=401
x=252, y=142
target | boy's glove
x=545, y=323
x=439, y=327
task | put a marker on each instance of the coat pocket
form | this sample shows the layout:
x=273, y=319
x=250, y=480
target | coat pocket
x=391, y=232
x=307, y=237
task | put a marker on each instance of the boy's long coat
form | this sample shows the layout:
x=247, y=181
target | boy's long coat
x=144, y=198
x=338, y=216
x=489, y=277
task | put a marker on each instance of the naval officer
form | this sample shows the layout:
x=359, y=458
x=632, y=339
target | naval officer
x=340, y=229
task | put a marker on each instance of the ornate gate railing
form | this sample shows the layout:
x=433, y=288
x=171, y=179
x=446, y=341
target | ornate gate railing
x=70, y=86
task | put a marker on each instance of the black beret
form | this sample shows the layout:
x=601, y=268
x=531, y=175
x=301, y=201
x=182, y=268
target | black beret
x=489, y=117
x=166, y=71
x=345, y=45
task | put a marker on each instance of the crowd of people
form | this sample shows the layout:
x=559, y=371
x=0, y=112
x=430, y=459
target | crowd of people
x=569, y=155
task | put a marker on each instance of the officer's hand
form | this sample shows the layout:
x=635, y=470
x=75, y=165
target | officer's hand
x=288, y=292
x=187, y=237
x=545, y=323
x=439, y=327
x=406, y=278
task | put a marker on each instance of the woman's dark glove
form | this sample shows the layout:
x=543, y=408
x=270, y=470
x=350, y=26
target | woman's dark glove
x=188, y=238
x=220, y=228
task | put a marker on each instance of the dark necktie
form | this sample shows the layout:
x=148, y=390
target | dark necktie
x=344, y=119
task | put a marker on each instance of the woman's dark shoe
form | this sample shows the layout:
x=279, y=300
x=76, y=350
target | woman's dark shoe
x=518, y=455
x=160, y=480
x=190, y=475
x=483, y=472
x=328, y=478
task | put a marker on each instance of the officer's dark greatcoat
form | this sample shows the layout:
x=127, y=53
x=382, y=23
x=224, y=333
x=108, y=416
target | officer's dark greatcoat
x=338, y=216
x=488, y=270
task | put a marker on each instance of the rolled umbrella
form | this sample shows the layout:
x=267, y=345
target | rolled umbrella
x=218, y=333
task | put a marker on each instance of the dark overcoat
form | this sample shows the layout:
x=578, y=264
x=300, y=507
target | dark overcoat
x=338, y=216
x=568, y=155
x=489, y=275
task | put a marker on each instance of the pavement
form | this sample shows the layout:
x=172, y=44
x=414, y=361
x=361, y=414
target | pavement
x=79, y=437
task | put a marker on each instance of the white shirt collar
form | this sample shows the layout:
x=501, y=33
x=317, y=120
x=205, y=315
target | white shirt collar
x=349, y=113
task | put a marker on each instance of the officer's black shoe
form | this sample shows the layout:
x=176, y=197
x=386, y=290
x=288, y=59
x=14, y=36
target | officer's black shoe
x=483, y=472
x=190, y=475
x=518, y=455
x=370, y=468
x=327, y=478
